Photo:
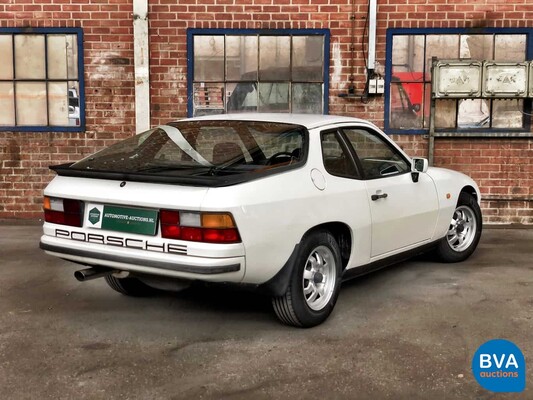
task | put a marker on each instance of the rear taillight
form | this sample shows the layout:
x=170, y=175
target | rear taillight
x=63, y=211
x=199, y=227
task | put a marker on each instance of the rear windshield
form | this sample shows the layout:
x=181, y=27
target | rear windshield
x=203, y=148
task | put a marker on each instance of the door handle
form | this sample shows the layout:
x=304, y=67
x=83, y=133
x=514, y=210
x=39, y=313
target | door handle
x=375, y=197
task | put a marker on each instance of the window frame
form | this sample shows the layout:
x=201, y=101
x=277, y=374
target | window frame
x=524, y=131
x=80, y=79
x=192, y=32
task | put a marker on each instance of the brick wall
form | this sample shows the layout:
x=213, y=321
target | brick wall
x=503, y=167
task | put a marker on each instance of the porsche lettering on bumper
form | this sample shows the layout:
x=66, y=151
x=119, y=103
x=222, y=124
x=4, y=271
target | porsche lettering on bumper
x=113, y=240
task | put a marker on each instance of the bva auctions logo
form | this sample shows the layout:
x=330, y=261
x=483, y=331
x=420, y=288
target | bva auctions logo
x=500, y=366
x=94, y=215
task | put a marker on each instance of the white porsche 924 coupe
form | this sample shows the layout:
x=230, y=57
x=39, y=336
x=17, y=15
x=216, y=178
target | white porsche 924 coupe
x=287, y=205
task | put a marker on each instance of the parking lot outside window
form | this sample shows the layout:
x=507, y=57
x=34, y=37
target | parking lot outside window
x=257, y=71
x=41, y=79
x=408, y=74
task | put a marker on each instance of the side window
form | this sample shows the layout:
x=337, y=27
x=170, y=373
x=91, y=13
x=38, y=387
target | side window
x=336, y=160
x=377, y=157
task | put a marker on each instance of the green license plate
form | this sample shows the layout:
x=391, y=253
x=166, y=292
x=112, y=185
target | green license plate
x=133, y=220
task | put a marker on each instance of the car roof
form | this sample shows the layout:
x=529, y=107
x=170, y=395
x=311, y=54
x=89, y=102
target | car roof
x=310, y=121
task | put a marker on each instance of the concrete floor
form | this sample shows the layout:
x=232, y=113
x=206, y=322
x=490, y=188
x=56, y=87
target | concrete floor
x=408, y=332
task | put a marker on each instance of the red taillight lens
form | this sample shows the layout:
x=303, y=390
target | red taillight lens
x=169, y=217
x=63, y=211
x=221, y=235
x=191, y=234
x=199, y=227
x=171, y=231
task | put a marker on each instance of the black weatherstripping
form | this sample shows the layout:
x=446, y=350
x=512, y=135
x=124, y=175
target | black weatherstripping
x=191, y=180
x=146, y=263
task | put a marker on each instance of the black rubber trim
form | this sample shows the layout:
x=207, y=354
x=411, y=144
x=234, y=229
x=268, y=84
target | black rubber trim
x=385, y=262
x=130, y=260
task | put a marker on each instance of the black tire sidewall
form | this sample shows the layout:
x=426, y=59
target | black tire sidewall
x=306, y=315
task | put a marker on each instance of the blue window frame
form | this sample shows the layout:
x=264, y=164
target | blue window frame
x=243, y=70
x=41, y=79
x=408, y=81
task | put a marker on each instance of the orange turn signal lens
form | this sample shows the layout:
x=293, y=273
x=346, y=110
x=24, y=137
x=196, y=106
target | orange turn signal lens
x=46, y=203
x=217, y=220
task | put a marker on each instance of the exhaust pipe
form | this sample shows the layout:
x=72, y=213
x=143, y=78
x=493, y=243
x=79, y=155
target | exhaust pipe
x=92, y=273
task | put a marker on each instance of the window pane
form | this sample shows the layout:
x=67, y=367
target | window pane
x=336, y=162
x=58, y=107
x=57, y=57
x=241, y=58
x=473, y=113
x=377, y=157
x=7, y=104
x=405, y=105
x=510, y=48
x=444, y=47
x=307, y=98
x=307, y=58
x=208, y=99
x=242, y=97
x=274, y=58
x=73, y=104
x=208, y=58
x=72, y=56
x=445, y=113
x=408, y=53
x=31, y=103
x=29, y=57
x=507, y=113
x=425, y=108
x=6, y=50
x=273, y=97
x=477, y=47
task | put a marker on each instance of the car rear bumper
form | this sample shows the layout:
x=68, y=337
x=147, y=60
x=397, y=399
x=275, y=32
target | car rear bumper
x=224, y=269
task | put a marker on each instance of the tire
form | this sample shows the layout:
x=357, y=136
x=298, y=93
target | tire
x=129, y=286
x=464, y=232
x=314, y=283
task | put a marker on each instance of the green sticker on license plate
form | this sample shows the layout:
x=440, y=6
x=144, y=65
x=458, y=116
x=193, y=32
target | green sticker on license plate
x=133, y=220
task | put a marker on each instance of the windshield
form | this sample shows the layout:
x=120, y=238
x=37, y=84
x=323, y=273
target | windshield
x=203, y=148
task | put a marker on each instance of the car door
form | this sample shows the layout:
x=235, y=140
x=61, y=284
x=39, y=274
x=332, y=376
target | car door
x=403, y=212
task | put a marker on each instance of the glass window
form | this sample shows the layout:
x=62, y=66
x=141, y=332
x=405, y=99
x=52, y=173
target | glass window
x=409, y=93
x=336, y=160
x=378, y=158
x=203, y=148
x=257, y=72
x=40, y=79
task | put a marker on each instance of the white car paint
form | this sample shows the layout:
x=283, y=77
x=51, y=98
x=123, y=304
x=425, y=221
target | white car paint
x=273, y=213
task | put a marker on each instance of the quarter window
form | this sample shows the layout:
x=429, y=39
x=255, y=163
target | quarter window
x=336, y=159
x=252, y=71
x=41, y=79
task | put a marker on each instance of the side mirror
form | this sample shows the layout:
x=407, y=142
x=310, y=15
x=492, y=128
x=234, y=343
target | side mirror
x=418, y=165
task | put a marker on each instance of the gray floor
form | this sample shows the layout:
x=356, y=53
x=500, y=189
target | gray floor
x=407, y=332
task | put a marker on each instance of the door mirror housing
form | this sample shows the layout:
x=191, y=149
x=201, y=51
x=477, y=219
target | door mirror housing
x=418, y=165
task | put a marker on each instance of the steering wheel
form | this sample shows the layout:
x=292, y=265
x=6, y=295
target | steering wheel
x=271, y=160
